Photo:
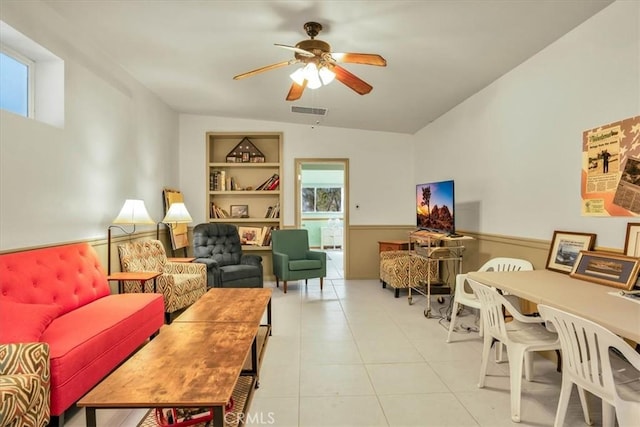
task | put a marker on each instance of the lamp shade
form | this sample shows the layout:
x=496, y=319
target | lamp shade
x=133, y=212
x=177, y=214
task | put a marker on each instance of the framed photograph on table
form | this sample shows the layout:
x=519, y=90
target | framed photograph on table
x=632, y=240
x=565, y=248
x=618, y=271
x=250, y=235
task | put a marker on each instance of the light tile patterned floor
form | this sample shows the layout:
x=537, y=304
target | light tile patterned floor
x=353, y=355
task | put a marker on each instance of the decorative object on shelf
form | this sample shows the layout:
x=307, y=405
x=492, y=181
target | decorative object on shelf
x=239, y=211
x=250, y=235
x=632, y=240
x=609, y=269
x=565, y=248
x=245, y=152
x=133, y=212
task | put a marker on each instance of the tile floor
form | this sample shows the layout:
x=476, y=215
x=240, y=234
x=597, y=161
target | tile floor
x=353, y=355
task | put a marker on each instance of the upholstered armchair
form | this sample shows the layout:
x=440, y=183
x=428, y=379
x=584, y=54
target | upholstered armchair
x=24, y=384
x=218, y=247
x=181, y=283
x=292, y=259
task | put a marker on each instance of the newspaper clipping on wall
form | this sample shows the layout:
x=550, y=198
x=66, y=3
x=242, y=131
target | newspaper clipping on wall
x=610, y=182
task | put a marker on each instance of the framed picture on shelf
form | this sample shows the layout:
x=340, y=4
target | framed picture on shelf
x=632, y=240
x=618, y=271
x=250, y=235
x=239, y=211
x=565, y=248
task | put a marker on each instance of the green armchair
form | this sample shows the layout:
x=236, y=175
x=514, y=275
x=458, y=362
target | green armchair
x=292, y=259
x=24, y=384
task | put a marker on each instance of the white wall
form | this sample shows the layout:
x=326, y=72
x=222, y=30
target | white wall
x=381, y=171
x=514, y=148
x=118, y=142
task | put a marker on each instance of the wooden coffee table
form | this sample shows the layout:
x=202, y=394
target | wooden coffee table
x=230, y=305
x=224, y=305
x=195, y=362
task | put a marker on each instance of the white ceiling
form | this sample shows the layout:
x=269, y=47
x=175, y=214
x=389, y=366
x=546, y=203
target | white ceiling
x=439, y=52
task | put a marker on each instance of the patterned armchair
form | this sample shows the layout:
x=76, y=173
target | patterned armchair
x=24, y=385
x=181, y=283
x=394, y=270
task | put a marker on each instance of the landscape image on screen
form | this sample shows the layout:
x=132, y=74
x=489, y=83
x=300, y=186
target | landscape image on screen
x=435, y=206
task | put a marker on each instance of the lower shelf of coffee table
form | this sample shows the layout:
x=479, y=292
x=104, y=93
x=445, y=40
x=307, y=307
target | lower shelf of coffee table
x=242, y=393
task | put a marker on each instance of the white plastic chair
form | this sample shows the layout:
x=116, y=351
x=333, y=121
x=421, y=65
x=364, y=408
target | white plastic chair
x=462, y=297
x=587, y=363
x=521, y=336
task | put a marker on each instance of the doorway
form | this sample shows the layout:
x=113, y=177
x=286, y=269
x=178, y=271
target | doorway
x=322, y=207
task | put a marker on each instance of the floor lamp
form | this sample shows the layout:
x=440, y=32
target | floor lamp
x=133, y=212
x=177, y=214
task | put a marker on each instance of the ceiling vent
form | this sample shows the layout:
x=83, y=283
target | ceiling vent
x=309, y=110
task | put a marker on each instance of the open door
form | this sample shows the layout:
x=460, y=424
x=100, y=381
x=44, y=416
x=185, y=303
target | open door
x=322, y=206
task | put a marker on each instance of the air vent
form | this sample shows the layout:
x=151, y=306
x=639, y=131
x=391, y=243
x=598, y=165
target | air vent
x=309, y=110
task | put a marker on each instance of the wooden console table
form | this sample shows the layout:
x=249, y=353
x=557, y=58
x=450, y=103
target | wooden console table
x=393, y=245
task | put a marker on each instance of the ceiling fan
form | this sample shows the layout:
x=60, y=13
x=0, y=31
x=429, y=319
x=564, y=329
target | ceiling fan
x=320, y=65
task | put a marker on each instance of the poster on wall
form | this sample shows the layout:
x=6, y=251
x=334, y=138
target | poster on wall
x=610, y=181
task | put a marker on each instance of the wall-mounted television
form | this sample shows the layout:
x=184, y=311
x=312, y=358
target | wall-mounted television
x=435, y=207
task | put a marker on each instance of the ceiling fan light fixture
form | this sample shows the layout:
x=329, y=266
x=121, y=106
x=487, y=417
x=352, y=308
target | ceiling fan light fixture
x=309, y=73
x=298, y=76
x=326, y=75
x=315, y=77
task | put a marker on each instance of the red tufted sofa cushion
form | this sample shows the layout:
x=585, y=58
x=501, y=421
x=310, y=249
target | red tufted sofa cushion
x=69, y=276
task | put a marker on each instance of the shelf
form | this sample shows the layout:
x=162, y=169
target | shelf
x=247, y=175
x=246, y=220
x=245, y=193
x=254, y=248
x=244, y=165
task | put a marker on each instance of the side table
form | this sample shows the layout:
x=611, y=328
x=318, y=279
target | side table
x=393, y=245
x=183, y=259
x=140, y=276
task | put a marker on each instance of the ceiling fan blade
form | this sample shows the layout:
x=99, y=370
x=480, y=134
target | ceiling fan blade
x=351, y=80
x=296, y=50
x=263, y=69
x=295, y=92
x=360, y=58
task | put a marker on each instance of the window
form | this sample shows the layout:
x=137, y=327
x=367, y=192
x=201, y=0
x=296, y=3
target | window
x=322, y=199
x=31, y=78
x=16, y=83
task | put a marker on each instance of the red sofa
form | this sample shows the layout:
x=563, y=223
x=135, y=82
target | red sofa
x=60, y=295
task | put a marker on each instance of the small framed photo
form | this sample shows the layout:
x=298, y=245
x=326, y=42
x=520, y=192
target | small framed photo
x=632, y=240
x=250, y=235
x=245, y=157
x=239, y=211
x=618, y=271
x=565, y=248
